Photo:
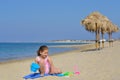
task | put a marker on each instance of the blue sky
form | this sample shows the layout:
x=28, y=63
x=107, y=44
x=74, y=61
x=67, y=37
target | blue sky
x=44, y=20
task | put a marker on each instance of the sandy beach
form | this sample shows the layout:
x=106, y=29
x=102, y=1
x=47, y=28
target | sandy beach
x=102, y=64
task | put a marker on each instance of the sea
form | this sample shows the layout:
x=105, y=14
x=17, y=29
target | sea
x=17, y=51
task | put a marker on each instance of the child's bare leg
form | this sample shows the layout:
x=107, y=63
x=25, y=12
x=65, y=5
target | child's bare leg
x=57, y=70
x=53, y=70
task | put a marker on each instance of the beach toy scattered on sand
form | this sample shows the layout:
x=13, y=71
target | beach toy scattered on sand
x=68, y=73
x=76, y=70
x=34, y=67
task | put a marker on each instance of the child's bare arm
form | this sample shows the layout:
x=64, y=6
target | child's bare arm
x=51, y=65
x=42, y=68
x=50, y=61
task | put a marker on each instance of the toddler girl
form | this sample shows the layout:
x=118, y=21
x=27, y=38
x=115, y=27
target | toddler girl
x=45, y=62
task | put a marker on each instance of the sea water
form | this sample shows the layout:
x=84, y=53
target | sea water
x=14, y=51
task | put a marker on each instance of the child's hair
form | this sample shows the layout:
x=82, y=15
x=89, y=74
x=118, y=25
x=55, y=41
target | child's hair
x=42, y=48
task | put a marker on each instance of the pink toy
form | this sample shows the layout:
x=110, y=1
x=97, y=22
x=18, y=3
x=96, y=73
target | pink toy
x=76, y=70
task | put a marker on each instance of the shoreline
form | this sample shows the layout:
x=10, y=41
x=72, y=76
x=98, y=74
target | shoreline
x=76, y=48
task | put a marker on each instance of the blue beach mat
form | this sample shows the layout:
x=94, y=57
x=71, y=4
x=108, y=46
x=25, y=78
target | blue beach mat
x=37, y=75
x=34, y=67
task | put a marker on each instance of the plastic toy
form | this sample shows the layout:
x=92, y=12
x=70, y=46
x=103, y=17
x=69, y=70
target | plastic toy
x=76, y=70
x=34, y=67
x=68, y=73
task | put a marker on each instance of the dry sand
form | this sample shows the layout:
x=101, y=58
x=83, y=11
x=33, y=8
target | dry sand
x=103, y=64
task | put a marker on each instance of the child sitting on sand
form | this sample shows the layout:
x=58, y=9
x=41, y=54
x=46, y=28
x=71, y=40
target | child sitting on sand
x=45, y=62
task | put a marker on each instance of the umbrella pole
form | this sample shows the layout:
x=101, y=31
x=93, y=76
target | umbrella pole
x=96, y=36
x=96, y=44
x=102, y=40
x=98, y=39
x=109, y=40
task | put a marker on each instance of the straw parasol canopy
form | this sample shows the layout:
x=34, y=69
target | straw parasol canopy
x=104, y=21
x=94, y=23
x=89, y=25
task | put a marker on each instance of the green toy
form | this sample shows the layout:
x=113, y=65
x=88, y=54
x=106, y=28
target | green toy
x=68, y=73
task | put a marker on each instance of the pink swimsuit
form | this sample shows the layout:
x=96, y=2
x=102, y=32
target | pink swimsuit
x=47, y=65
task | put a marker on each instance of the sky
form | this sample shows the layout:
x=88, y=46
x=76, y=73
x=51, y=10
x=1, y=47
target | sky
x=45, y=20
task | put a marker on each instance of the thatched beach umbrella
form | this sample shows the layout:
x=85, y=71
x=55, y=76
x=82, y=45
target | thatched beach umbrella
x=112, y=28
x=108, y=27
x=92, y=23
x=90, y=26
x=96, y=22
x=104, y=26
